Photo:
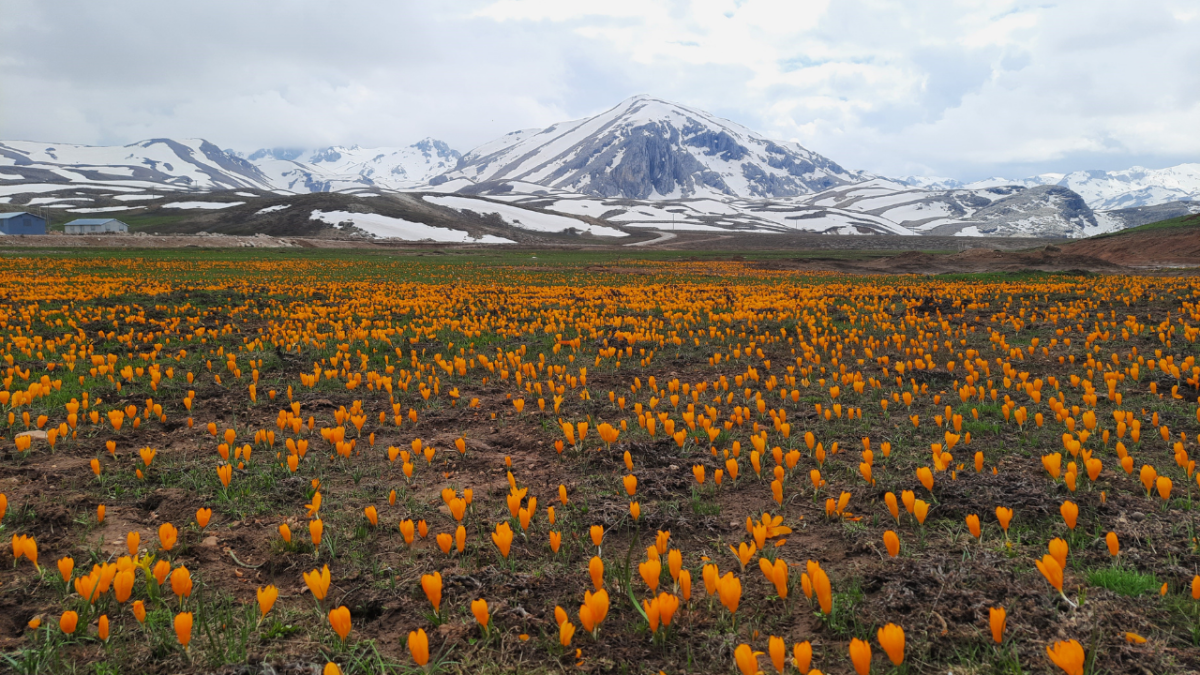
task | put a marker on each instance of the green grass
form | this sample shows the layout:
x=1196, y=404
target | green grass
x=1124, y=581
x=1002, y=277
x=146, y=222
x=844, y=619
x=1170, y=223
x=196, y=270
x=137, y=222
x=531, y=257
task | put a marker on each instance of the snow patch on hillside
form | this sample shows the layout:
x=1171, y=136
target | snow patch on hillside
x=53, y=200
x=101, y=209
x=917, y=212
x=201, y=205
x=524, y=218
x=696, y=227
x=398, y=228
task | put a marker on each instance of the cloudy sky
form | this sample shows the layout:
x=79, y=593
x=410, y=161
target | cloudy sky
x=965, y=89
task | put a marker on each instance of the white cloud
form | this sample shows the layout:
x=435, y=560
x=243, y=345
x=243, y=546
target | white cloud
x=967, y=88
x=560, y=10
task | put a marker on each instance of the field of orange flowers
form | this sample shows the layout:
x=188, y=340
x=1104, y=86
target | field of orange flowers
x=357, y=463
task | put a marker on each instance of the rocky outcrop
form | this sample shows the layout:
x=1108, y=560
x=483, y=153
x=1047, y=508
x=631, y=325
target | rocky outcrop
x=1043, y=211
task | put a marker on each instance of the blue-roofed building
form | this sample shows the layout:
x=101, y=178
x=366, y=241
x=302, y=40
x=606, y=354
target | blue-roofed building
x=22, y=223
x=95, y=226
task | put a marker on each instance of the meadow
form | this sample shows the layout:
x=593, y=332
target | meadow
x=552, y=461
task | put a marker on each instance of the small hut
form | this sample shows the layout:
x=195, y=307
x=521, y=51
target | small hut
x=22, y=223
x=96, y=226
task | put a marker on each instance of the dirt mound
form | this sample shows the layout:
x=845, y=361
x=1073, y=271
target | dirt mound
x=1046, y=259
x=1049, y=258
x=909, y=262
x=1164, y=247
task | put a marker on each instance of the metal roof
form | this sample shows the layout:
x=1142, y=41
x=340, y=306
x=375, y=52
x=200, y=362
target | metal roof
x=4, y=216
x=93, y=221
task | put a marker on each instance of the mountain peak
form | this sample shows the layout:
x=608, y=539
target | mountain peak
x=646, y=108
x=643, y=99
x=647, y=99
x=647, y=148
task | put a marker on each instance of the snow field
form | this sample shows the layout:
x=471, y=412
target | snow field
x=524, y=218
x=398, y=228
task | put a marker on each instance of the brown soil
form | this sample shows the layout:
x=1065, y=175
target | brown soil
x=939, y=589
x=1048, y=259
x=1176, y=246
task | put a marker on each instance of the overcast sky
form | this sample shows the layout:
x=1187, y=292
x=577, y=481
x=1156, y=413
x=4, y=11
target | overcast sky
x=928, y=87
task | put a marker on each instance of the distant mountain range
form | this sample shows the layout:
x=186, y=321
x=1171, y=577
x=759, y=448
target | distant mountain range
x=643, y=163
x=337, y=169
x=1102, y=190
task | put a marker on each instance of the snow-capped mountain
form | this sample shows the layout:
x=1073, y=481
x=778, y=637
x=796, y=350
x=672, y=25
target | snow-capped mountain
x=338, y=168
x=645, y=148
x=196, y=165
x=162, y=163
x=1136, y=186
x=1102, y=190
x=646, y=163
x=929, y=182
x=1032, y=181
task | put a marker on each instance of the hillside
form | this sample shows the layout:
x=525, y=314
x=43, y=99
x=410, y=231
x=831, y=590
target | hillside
x=1173, y=242
x=399, y=216
x=162, y=163
x=876, y=207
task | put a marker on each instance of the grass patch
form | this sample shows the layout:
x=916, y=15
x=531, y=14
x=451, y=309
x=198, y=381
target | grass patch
x=843, y=620
x=1123, y=581
x=1000, y=277
x=148, y=222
